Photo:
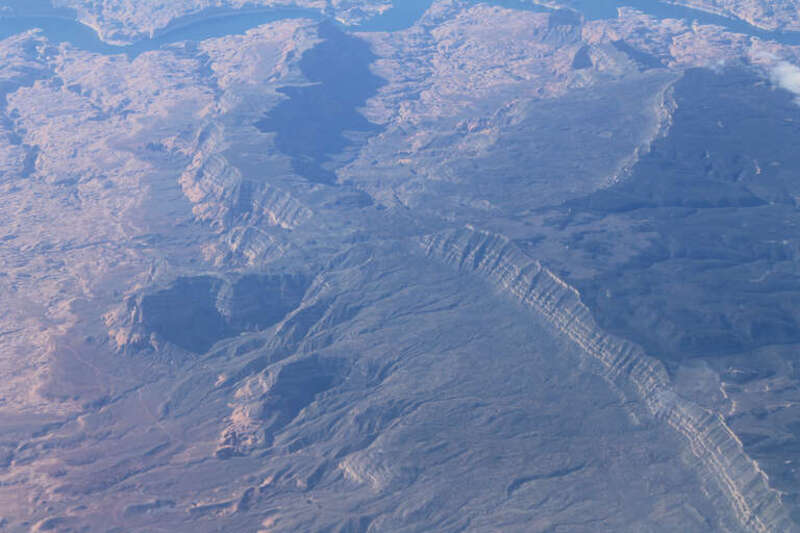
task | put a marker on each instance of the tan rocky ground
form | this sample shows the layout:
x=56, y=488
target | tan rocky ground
x=142, y=210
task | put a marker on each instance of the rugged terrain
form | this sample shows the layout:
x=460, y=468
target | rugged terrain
x=537, y=279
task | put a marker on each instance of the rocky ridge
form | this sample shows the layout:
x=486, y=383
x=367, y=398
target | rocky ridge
x=193, y=198
x=715, y=447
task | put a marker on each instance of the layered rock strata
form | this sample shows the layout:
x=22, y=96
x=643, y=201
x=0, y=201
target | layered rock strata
x=720, y=458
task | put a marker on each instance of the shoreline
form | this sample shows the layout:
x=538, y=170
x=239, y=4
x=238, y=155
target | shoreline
x=380, y=22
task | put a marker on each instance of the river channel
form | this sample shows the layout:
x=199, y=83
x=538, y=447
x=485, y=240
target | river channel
x=59, y=25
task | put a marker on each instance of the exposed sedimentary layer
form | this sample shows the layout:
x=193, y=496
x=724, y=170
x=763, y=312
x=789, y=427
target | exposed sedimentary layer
x=718, y=453
x=204, y=302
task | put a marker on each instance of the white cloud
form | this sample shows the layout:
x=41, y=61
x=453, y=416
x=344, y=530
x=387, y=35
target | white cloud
x=786, y=76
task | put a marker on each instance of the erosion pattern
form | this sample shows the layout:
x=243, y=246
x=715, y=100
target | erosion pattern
x=714, y=446
x=236, y=332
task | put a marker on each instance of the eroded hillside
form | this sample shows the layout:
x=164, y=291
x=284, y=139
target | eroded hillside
x=506, y=266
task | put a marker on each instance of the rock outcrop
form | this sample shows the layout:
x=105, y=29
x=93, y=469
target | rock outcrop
x=195, y=312
x=716, y=450
x=292, y=329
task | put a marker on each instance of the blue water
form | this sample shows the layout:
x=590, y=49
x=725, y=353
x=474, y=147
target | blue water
x=58, y=27
x=310, y=124
x=402, y=15
x=603, y=9
x=217, y=23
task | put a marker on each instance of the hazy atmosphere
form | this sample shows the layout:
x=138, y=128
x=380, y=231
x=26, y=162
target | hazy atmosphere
x=364, y=266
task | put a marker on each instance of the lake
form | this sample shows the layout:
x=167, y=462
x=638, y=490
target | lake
x=311, y=124
x=59, y=25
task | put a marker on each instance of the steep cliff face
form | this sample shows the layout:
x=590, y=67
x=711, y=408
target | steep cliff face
x=291, y=329
x=724, y=467
x=193, y=313
x=242, y=211
x=223, y=198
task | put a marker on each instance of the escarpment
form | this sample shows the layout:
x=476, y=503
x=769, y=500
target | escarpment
x=194, y=312
x=714, y=449
x=225, y=199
